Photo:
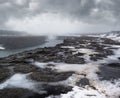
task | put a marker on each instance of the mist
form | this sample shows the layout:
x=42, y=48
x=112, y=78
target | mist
x=54, y=24
x=55, y=17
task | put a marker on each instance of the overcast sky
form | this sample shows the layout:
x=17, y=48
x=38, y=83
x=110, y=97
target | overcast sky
x=60, y=16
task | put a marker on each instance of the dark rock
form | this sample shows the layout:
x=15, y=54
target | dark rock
x=79, y=54
x=21, y=63
x=111, y=42
x=50, y=76
x=114, y=65
x=108, y=72
x=18, y=93
x=25, y=93
x=29, y=60
x=26, y=68
x=44, y=51
x=83, y=82
x=4, y=74
x=74, y=60
x=119, y=58
x=52, y=53
x=96, y=57
x=50, y=65
x=57, y=89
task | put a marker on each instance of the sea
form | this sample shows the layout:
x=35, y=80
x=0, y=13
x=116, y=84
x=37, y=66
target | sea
x=10, y=45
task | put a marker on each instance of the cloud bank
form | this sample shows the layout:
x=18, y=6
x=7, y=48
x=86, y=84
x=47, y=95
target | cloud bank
x=59, y=16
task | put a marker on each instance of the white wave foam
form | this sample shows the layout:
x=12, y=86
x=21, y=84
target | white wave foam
x=69, y=47
x=18, y=80
x=84, y=50
x=113, y=36
x=102, y=89
x=97, y=88
x=39, y=64
x=2, y=48
x=79, y=92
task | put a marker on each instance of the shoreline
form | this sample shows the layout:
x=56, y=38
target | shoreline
x=56, y=71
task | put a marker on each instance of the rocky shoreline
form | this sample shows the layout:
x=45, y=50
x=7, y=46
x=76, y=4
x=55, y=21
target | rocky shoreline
x=74, y=50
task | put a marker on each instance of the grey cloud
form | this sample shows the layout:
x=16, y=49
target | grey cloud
x=91, y=11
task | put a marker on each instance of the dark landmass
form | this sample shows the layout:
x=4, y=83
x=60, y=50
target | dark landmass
x=21, y=63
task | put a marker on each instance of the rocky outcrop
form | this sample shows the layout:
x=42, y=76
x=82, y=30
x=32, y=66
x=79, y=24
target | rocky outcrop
x=109, y=71
x=66, y=52
x=4, y=73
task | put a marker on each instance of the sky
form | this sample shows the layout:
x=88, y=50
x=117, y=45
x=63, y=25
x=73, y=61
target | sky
x=46, y=17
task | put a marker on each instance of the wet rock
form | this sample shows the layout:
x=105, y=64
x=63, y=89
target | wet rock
x=47, y=75
x=25, y=93
x=52, y=65
x=53, y=53
x=28, y=60
x=18, y=93
x=79, y=54
x=109, y=41
x=26, y=68
x=50, y=59
x=4, y=73
x=56, y=89
x=101, y=55
x=119, y=58
x=53, y=90
x=21, y=64
x=114, y=65
x=108, y=72
x=83, y=82
x=96, y=57
x=74, y=60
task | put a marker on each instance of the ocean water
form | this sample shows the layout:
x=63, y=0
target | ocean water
x=15, y=44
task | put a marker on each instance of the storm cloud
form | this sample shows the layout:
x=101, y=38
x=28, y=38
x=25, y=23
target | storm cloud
x=90, y=12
